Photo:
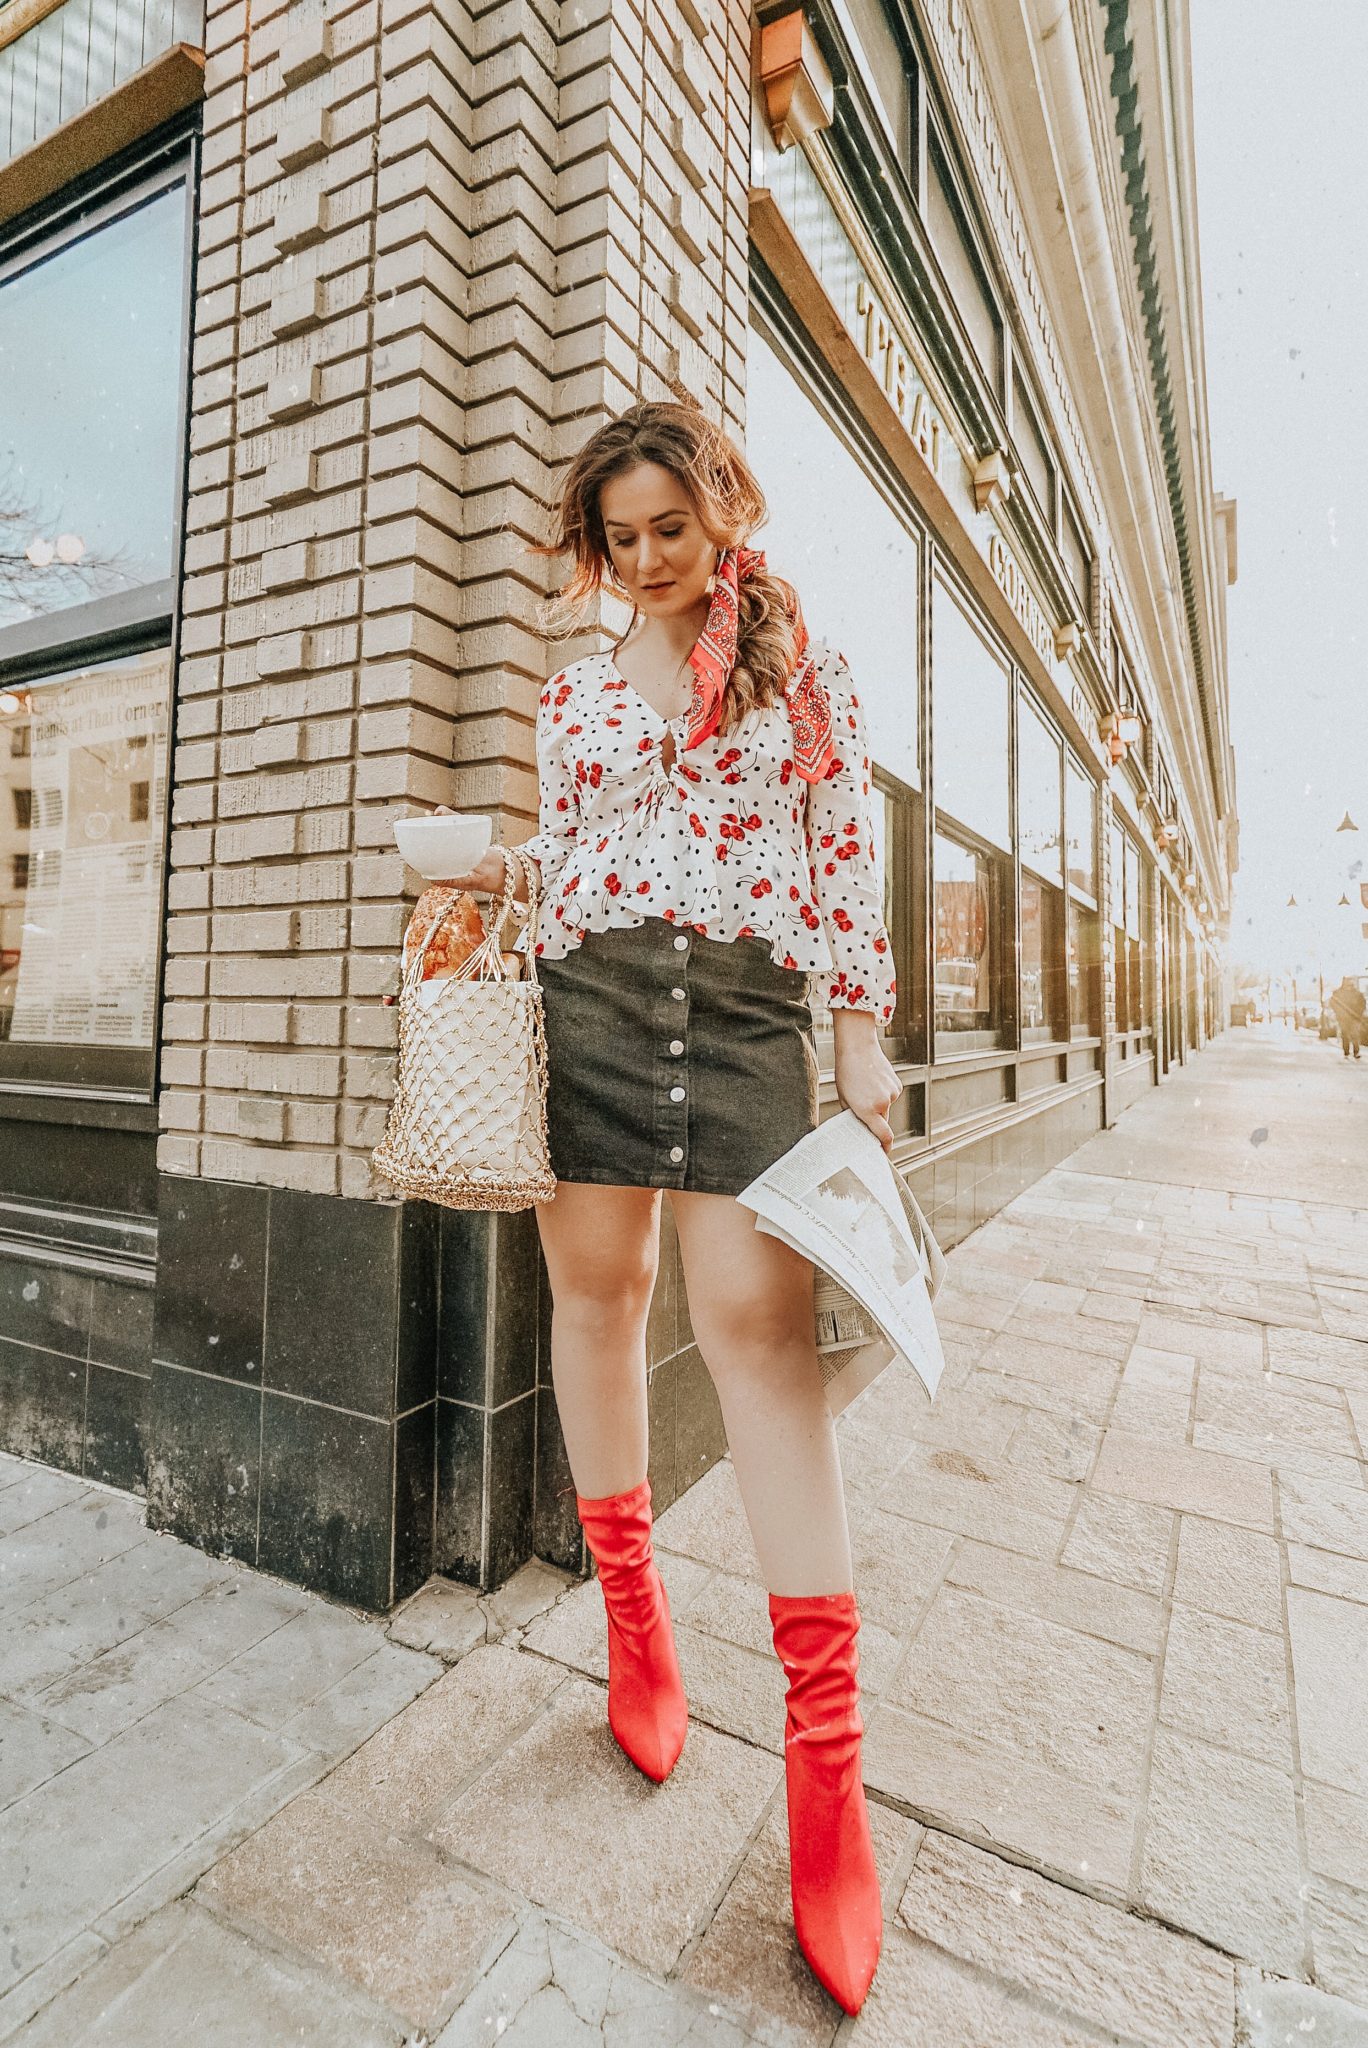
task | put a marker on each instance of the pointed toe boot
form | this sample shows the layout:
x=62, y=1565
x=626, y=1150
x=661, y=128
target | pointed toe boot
x=647, y=1711
x=837, y=1907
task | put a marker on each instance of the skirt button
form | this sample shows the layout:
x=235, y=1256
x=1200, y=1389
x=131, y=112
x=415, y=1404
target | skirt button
x=678, y=994
x=676, y=1095
x=676, y=1153
x=676, y=1045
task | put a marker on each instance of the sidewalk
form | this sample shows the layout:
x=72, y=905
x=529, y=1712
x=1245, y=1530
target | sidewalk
x=1115, y=1658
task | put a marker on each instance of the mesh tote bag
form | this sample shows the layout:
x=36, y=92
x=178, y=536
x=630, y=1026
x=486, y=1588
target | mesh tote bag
x=467, y=1124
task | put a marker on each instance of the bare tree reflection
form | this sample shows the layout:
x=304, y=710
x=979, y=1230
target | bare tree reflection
x=29, y=589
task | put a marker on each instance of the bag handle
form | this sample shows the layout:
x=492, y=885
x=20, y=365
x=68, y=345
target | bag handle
x=485, y=963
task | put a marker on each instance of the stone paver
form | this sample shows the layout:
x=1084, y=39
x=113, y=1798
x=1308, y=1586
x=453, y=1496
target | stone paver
x=1330, y=1665
x=388, y=1914
x=1114, y=1585
x=1229, y=1571
x=1276, y=2014
x=553, y=1987
x=1106, y=1966
x=1221, y=1851
x=563, y=1818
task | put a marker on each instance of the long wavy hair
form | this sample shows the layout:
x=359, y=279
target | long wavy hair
x=730, y=506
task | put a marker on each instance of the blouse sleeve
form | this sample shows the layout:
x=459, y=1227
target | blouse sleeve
x=558, y=818
x=843, y=862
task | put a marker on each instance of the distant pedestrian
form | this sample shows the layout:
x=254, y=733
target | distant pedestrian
x=1349, y=1004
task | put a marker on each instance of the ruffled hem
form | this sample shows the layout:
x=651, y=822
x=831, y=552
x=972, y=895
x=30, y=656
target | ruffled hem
x=556, y=938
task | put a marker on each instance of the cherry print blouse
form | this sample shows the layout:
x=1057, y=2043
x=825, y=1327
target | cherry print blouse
x=730, y=841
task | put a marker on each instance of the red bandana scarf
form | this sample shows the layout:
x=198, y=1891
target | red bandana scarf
x=714, y=657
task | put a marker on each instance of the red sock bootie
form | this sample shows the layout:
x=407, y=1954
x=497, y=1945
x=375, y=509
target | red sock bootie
x=647, y=1711
x=837, y=1908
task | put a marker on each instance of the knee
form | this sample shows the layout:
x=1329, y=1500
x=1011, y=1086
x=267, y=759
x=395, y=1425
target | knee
x=600, y=1296
x=751, y=1335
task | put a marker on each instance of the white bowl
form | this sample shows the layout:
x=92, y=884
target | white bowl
x=442, y=848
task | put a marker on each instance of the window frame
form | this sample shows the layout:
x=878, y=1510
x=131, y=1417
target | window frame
x=118, y=627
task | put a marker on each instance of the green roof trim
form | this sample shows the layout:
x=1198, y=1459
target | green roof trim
x=1120, y=46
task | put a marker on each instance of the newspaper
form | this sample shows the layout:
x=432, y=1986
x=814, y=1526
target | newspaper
x=835, y=1197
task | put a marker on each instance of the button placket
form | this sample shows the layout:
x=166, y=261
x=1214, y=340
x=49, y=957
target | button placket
x=671, y=1112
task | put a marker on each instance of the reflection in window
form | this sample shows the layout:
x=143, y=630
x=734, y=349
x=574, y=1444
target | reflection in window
x=90, y=378
x=963, y=902
x=1080, y=812
x=1042, y=951
x=970, y=695
x=1038, y=792
x=80, y=891
x=1082, y=967
x=837, y=539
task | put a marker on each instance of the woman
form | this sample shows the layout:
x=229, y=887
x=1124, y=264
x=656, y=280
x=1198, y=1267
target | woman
x=704, y=849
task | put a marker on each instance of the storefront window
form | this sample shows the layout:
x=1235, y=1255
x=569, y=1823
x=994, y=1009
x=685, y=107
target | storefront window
x=970, y=685
x=966, y=987
x=1083, y=963
x=852, y=559
x=1042, y=952
x=90, y=382
x=1080, y=815
x=1134, y=934
x=82, y=807
x=1039, y=784
x=1083, y=917
x=92, y=334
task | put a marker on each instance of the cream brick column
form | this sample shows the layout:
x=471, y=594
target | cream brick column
x=437, y=244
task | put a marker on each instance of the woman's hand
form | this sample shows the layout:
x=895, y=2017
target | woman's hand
x=865, y=1079
x=487, y=876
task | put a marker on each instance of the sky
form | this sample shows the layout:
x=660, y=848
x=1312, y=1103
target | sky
x=1282, y=189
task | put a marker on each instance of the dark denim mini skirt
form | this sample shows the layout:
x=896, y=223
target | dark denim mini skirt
x=674, y=1060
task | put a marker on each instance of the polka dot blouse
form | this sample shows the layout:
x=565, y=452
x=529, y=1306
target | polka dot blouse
x=730, y=841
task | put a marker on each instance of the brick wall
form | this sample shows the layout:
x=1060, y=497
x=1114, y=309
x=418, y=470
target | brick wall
x=437, y=244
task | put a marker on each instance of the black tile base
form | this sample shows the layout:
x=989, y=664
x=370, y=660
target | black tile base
x=327, y=1499
x=44, y=1406
x=204, y=1460
x=116, y=1418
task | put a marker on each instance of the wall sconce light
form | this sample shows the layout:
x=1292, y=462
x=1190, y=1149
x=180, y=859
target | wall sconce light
x=800, y=95
x=1120, y=730
x=992, y=481
x=1167, y=834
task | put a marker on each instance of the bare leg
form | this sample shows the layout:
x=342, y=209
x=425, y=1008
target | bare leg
x=602, y=1247
x=750, y=1301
